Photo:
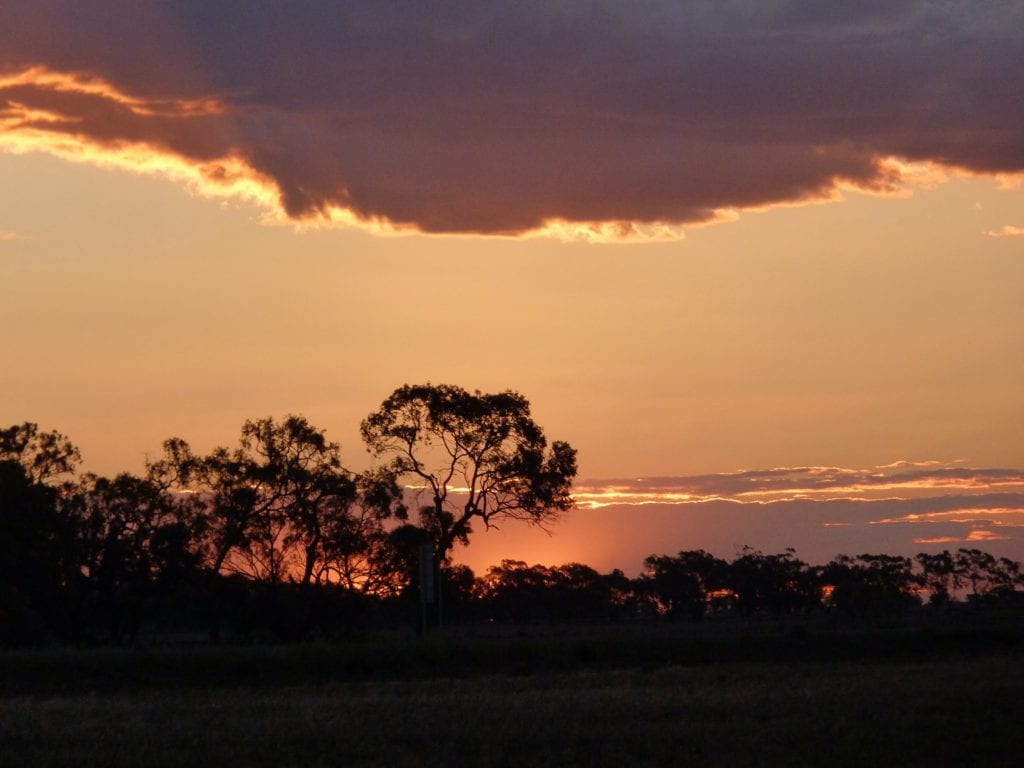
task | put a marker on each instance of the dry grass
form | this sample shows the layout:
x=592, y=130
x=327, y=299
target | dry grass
x=937, y=712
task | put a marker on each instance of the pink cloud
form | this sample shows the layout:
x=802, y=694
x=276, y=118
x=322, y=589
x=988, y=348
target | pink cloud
x=975, y=535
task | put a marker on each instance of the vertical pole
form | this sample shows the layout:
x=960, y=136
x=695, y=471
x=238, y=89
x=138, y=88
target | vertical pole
x=440, y=593
x=428, y=583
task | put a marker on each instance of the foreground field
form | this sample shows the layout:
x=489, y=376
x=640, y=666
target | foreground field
x=943, y=711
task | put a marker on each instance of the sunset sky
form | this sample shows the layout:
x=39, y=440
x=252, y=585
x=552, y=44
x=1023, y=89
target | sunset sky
x=762, y=264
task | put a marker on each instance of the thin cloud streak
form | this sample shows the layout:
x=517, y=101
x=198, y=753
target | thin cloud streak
x=1003, y=516
x=621, y=535
x=1007, y=231
x=596, y=121
x=974, y=536
x=906, y=478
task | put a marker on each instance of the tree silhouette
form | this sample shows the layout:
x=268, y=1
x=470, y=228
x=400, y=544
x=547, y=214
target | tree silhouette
x=130, y=534
x=357, y=551
x=478, y=457
x=37, y=561
x=938, y=575
x=42, y=455
x=280, y=505
x=680, y=585
x=514, y=591
x=779, y=583
x=984, y=573
x=871, y=585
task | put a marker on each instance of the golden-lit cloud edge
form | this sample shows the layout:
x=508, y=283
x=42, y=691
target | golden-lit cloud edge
x=973, y=537
x=899, y=480
x=231, y=177
x=1008, y=230
x=906, y=503
x=989, y=516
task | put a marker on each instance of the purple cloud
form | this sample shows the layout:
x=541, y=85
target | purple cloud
x=503, y=118
x=902, y=478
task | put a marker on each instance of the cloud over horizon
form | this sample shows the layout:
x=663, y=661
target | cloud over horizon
x=596, y=119
x=902, y=480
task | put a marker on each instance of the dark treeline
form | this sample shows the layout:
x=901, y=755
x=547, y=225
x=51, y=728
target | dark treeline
x=275, y=540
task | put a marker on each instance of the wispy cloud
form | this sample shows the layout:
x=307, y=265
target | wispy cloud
x=9, y=235
x=975, y=536
x=1007, y=231
x=1000, y=516
x=900, y=507
x=897, y=479
x=593, y=120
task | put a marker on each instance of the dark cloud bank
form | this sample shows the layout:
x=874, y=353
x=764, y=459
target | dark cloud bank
x=495, y=117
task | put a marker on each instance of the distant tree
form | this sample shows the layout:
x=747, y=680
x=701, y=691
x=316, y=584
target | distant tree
x=1006, y=576
x=871, y=585
x=938, y=574
x=680, y=585
x=517, y=592
x=357, y=550
x=227, y=502
x=37, y=560
x=984, y=573
x=479, y=457
x=397, y=559
x=514, y=591
x=42, y=455
x=779, y=583
x=280, y=505
x=303, y=490
x=130, y=534
x=581, y=592
x=458, y=583
x=972, y=567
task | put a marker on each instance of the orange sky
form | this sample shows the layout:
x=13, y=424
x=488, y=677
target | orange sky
x=152, y=284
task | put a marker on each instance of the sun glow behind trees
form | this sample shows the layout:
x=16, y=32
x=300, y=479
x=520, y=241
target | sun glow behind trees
x=847, y=293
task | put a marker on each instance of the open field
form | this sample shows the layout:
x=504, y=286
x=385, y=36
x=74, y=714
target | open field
x=575, y=696
x=938, y=712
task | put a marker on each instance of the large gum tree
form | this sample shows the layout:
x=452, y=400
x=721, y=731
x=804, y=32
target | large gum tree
x=476, y=457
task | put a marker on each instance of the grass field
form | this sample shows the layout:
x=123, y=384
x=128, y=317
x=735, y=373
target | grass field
x=312, y=707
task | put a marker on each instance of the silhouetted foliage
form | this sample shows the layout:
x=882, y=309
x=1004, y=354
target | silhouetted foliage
x=871, y=585
x=778, y=583
x=37, y=561
x=986, y=575
x=130, y=537
x=480, y=456
x=683, y=585
x=42, y=455
x=281, y=505
x=516, y=592
x=938, y=575
x=275, y=540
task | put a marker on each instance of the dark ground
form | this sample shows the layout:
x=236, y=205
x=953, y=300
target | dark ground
x=749, y=694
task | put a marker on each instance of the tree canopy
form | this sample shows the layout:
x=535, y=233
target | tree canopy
x=275, y=538
x=42, y=455
x=478, y=457
x=281, y=505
